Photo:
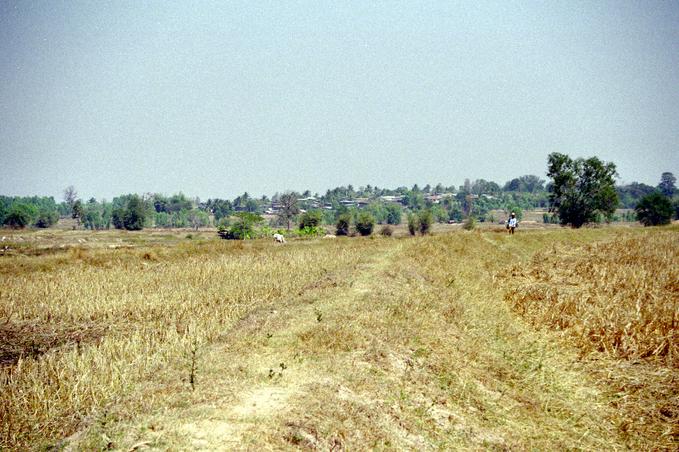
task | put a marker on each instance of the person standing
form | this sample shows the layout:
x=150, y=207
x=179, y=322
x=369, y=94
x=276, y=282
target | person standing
x=512, y=223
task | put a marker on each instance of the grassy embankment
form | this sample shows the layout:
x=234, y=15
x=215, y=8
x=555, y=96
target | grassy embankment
x=463, y=340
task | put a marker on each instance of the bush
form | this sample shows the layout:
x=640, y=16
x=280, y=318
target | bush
x=386, y=231
x=365, y=223
x=425, y=220
x=46, y=218
x=19, y=216
x=244, y=227
x=393, y=214
x=654, y=209
x=133, y=218
x=343, y=224
x=311, y=219
x=469, y=224
x=413, y=221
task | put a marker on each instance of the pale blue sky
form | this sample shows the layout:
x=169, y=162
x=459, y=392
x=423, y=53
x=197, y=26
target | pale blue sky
x=217, y=98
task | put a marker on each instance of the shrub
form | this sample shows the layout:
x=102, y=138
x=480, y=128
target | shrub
x=242, y=228
x=311, y=219
x=365, y=223
x=386, y=231
x=412, y=223
x=133, y=218
x=19, y=216
x=426, y=219
x=393, y=214
x=654, y=209
x=469, y=224
x=343, y=224
x=46, y=218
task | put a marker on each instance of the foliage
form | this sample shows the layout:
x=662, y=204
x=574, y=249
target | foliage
x=581, y=189
x=630, y=194
x=46, y=218
x=529, y=183
x=425, y=221
x=134, y=215
x=242, y=228
x=667, y=184
x=469, y=223
x=311, y=219
x=413, y=222
x=343, y=224
x=393, y=213
x=654, y=209
x=19, y=216
x=365, y=223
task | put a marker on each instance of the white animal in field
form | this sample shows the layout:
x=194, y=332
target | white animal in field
x=278, y=238
x=329, y=236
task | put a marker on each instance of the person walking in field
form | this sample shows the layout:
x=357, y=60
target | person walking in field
x=512, y=223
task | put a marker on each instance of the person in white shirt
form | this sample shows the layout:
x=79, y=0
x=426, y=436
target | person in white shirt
x=512, y=223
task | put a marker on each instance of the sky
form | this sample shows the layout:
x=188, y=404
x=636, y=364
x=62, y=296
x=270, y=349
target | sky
x=217, y=98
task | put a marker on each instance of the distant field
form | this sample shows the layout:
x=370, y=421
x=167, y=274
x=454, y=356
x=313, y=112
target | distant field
x=173, y=339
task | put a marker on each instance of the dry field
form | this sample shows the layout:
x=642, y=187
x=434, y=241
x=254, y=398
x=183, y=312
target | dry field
x=549, y=339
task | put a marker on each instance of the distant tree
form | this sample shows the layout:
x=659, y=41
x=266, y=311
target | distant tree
x=18, y=217
x=134, y=216
x=654, y=209
x=198, y=219
x=393, y=213
x=311, y=219
x=582, y=189
x=365, y=223
x=70, y=196
x=413, y=222
x=667, y=184
x=343, y=224
x=77, y=212
x=289, y=208
x=46, y=218
x=426, y=219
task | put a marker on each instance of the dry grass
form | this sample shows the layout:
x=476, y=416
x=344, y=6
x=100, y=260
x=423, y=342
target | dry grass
x=384, y=343
x=618, y=302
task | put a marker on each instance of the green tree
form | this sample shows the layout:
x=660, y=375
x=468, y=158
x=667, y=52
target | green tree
x=46, y=218
x=426, y=219
x=77, y=212
x=654, y=209
x=365, y=223
x=311, y=219
x=667, y=184
x=394, y=212
x=19, y=216
x=413, y=222
x=134, y=216
x=582, y=189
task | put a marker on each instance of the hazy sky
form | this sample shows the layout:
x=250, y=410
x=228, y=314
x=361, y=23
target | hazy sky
x=217, y=98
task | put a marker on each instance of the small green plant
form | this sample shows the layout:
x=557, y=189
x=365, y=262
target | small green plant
x=469, y=223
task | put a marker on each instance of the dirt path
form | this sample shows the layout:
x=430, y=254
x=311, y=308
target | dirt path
x=274, y=376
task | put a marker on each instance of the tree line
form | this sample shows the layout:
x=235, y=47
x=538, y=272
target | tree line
x=580, y=191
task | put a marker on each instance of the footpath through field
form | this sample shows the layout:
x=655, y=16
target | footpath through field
x=414, y=348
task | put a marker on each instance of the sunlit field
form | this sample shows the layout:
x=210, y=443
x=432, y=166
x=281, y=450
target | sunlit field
x=548, y=339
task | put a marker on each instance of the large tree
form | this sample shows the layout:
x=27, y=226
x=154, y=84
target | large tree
x=666, y=185
x=654, y=209
x=288, y=207
x=582, y=189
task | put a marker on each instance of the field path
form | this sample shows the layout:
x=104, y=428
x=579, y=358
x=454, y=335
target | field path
x=411, y=347
x=274, y=375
